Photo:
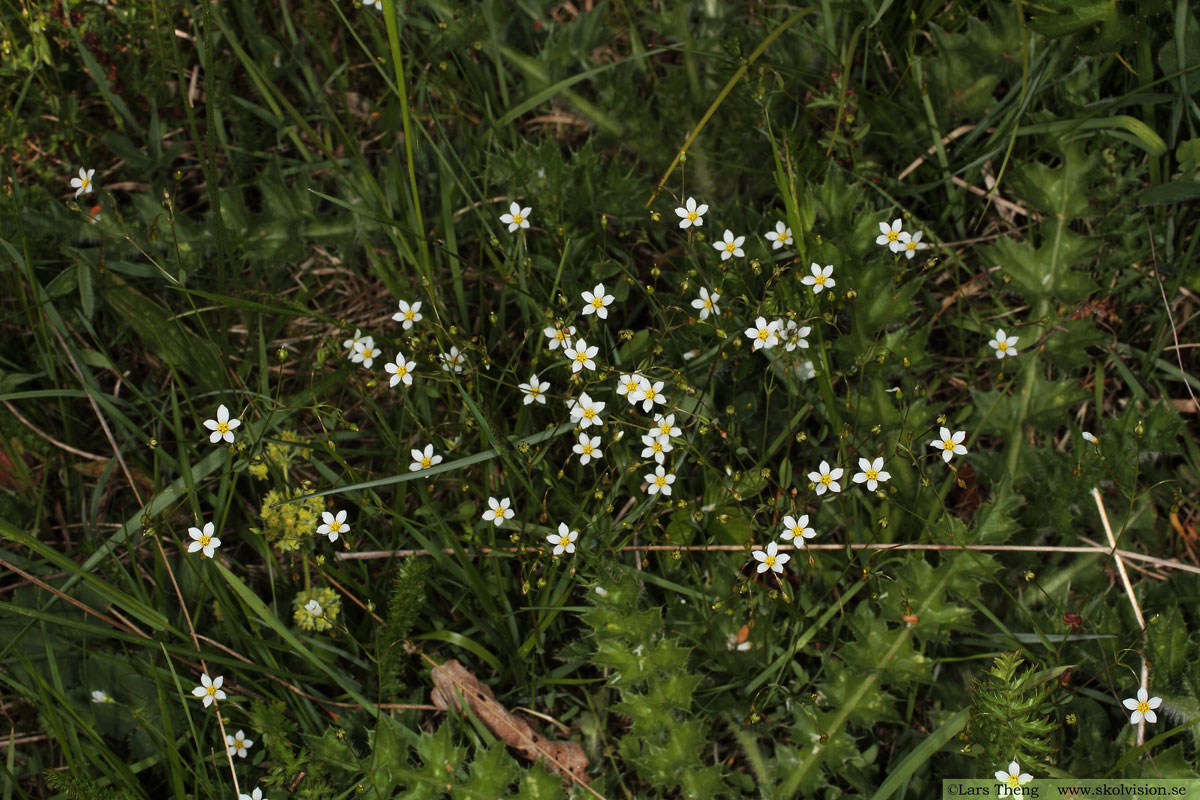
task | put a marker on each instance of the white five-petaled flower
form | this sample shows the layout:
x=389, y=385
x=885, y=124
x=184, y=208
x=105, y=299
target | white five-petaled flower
x=910, y=244
x=454, y=360
x=691, y=214
x=365, y=352
x=1014, y=777
x=950, y=444
x=587, y=448
x=872, y=473
x=83, y=184
x=408, y=314
x=401, y=370
x=730, y=245
x=100, y=696
x=1003, y=345
x=205, y=541
x=660, y=481
x=797, y=529
x=238, y=744
x=332, y=525
x=781, y=236
x=706, y=303
x=257, y=793
x=889, y=235
x=559, y=337
x=665, y=426
x=820, y=278
x=793, y=335
x=771, y=558
x=564, y=540
x=423, y=460
x=656, y=447
x=355, y=339
x=586, y=411
x=627, y=386
x=826, y=479
x=222, y=427
x=765, y=334
x=498, y=511
x=648, y=394
x=581, y=355
x=313, y=608
x=209, y=689
x=535, y=390
x=516, y=217
x=597, y=302
x=1143, y=707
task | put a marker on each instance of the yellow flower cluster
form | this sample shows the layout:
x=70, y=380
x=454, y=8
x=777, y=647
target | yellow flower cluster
x=289, y=525
x=317, y=609
x=281, y=454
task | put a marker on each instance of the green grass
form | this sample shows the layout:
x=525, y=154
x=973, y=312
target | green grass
x=272, y=177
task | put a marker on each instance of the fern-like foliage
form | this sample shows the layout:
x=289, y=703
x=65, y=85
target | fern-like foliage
x=1009, y=712
x=663, y=742
x=80, y=789
x=408, y=595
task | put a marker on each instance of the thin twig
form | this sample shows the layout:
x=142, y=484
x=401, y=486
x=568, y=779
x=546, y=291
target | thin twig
x=51, y=439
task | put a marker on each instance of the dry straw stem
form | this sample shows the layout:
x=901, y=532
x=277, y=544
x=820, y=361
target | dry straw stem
x=733, y=548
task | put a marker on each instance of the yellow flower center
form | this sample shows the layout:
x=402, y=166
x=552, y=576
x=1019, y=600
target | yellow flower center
x=764, y=334
x=783, y=237
x=664, y=429
x=708, y=304
x=1143, y=707
x=650, y=393
x=692, y=216
x=589, y=413
x=518, y=219
x=237, y=744
x=335, y=526
x=1002, y=346
x=872, y=475
x=581, y=357
x=368, y=353
x=597, y=302
x=211, y=691
x=826, y=479
x=730, y=247
x=910, y=245
x=408, y=315
x=558, y=335
x=770, y=561
x=205, y=541
x=587, y=449
x=657, y=447
x=660, y=481
x=426, y=462
x=222, y=427
x=401, y=370
x=1014, y=781
x=948, y=444
x=819, y=280
x=797, y=532
x=893, y=236
x=534, y=391
x=630, y=386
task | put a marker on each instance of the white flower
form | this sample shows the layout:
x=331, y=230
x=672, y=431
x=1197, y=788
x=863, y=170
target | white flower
x=820, y=278
x=781, y=236
x=909, y=245
x=764, y=334
x=516, y=217
x=497, y=512
x=656, y=447
x=222, y=427
x=627, y=386
x=365, y=352
x=587, y=448
x=806, y=371
x=660, y=481
x=100, y=696
x=401, y=370
x=210, y=689
x=564, y=540
x=559, y=337
x=691, y=214
x=333, y=526
x=585, y=411
x=1143, y=707
x=535, y=390
x=314, y=608
x=257, y=793
x=706, y=303
x=376, y=4
x=83, y=184
x=949, y=444
x=454, y=360
x=597, y=302
x=238, y=743
x=872, y=473
x=826, y=479
x=793, y=336
x=355, y=339
x=1003, y=345
x=423, y=460
x=1089, y=437
x=204, y=540
x=889, y=236
x=666, y=425
x=648, y=394
x=1014, y=777
x=581, y=355
x=797, y=530
x=771, y=559
x=408, y=314
x=730, y=246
